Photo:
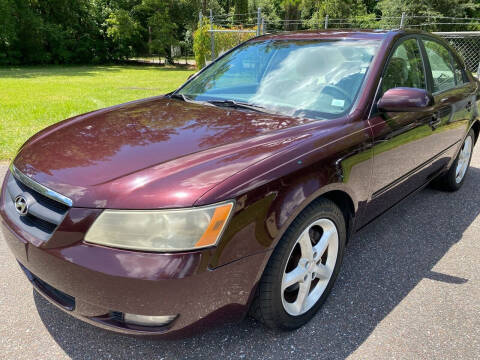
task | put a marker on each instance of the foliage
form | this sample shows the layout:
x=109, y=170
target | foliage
x=57, y=31
x=333, y=8
x=241, y=10
x=102, y=31
x=351, y=12
x=8, y=31
x=430, y=8
x=454, y=8
x=271, y=9
x=202, y=47
x=201, y=44
x=292, y=12
x=163, y=29
x=124, y=31
x=85, y=31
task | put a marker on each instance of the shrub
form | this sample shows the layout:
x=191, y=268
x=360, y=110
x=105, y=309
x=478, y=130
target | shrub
x=223, y=41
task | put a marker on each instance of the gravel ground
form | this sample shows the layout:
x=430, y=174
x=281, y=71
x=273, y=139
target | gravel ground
x=409, y=289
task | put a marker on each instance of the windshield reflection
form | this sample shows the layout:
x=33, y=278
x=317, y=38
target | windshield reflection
x=316, y=79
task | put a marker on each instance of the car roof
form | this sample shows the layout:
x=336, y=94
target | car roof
x=336, y=34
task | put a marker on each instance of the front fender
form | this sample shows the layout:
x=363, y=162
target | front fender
x=267, y=204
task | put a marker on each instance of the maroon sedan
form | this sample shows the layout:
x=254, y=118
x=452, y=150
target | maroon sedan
x=240, y=190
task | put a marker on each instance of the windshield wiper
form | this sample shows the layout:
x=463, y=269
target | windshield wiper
x=188, y=99
x=180, y=97
x=239, y=104
x=227, y=103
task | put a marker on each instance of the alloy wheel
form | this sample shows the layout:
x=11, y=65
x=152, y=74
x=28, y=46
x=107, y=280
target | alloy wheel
x=463, y=159
x=310, y=266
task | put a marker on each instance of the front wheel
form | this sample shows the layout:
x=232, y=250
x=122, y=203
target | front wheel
x=303, y=268
x=453, y=179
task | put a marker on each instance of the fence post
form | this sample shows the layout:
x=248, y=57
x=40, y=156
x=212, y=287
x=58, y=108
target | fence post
x=402, y=21
x=478, y=70
x=259, y=20
x=263, y=26
x=200, y=17
x=212, y=36
x=326, y=21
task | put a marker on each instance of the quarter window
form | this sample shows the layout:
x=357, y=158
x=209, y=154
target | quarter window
x=405, y=67
x=441, y=65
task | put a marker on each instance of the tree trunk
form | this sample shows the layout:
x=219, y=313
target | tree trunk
x=149, y=40
x=168, y=57
x=292, y=12
x=241, y=9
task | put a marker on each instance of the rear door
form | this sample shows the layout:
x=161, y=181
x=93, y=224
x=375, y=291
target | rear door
x=454, y=97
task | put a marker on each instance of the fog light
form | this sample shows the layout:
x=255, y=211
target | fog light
x=144, y=320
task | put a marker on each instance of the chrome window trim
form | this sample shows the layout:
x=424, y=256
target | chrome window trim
x=39, y=187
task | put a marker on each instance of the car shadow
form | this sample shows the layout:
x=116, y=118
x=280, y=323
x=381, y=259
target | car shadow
x=383, y=263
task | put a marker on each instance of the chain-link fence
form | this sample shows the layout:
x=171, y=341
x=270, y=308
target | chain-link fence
x=462, y=33
x=467, y=43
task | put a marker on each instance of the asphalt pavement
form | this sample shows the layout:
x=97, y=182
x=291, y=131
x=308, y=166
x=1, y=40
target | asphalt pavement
x=409, y=289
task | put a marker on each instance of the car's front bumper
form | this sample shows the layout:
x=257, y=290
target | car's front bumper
x=103, y=281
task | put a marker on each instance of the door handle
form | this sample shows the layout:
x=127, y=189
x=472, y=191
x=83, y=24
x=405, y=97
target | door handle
x=435, y=121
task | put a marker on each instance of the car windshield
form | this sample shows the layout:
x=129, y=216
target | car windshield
x=315, y=79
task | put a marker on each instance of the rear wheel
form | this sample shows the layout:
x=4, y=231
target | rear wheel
x=454, y=178
x=303, y=268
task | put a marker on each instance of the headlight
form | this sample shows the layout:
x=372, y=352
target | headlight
x=160, y=230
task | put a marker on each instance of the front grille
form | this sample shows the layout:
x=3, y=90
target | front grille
x=44, y=214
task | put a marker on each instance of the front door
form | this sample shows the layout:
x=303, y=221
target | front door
x=403, y=144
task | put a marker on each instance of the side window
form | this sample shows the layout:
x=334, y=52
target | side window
x=460, y=75
x=441, y=65
x=405, y=67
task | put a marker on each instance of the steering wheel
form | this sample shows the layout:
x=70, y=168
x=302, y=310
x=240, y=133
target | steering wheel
x=338, y=89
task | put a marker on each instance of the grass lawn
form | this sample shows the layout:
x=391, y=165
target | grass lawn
x=32, y=98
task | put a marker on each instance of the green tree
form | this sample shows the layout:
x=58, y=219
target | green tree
x=163, y=34
x=8, y=30
x=314, y=11
x=241, y=11
x=292, y=10
x=125, y=32
x=85, y=31
x=155, y=14
x=428, y=10
x=271, y=10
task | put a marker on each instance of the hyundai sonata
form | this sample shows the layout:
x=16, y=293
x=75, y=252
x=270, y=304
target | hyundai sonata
x=238, y=192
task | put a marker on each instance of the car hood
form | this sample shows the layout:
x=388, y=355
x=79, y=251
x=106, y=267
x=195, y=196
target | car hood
x=152, y=153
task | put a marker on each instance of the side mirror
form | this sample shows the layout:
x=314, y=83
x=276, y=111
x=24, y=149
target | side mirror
x=405, y=99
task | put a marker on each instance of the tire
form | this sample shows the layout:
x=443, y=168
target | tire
x=278, y=304
x=454, y=178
